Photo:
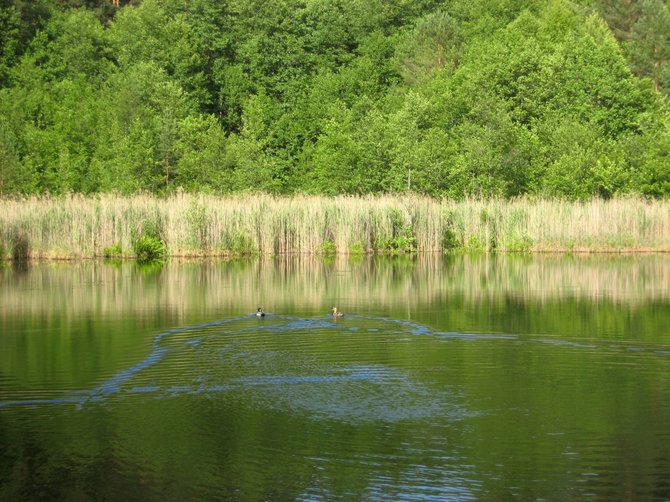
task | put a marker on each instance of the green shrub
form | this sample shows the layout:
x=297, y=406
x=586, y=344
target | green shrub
x=452, y=231
x=402, y=238
x=522, y=244
x=243, y=244
x=149, y=248
x=114, y=251
x=449, y=240
x=328, y=248
x=357, y=249
x=405, y=243
x=475, y=243
x=238, y=243
x=20, y=247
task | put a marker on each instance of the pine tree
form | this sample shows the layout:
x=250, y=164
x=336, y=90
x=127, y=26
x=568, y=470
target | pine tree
x=649, y=45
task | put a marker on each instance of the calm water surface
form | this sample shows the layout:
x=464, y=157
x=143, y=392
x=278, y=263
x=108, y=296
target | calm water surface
x=449, y=378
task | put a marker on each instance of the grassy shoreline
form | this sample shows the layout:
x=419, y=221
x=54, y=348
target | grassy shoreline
x=204, y=225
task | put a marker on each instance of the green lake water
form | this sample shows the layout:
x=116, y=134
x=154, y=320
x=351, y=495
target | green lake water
x=449, y=378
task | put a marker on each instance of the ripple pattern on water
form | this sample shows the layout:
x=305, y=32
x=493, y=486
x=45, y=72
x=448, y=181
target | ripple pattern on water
x=276, y=363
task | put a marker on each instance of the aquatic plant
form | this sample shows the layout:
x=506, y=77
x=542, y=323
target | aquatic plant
x=328, y=248
x=206, y=225
x=114, y=251
x=20, y=246
x=149, y=248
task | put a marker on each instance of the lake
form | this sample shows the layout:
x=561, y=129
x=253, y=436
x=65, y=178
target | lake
x=449, y=378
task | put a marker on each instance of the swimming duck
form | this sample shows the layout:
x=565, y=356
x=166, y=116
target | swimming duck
x=260, y=313
x=336, y=313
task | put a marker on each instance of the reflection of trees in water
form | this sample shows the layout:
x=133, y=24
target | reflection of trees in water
x=560, y=383
x=303, y=283
x=555, y=295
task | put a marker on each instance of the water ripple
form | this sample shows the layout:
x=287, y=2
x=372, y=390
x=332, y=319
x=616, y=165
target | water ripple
x=211, y=358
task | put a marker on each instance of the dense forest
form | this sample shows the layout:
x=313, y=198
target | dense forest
x=456, y=98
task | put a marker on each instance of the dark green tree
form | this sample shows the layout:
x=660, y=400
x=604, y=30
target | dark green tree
x=620, y=15
x=649, y=45
x=434, y=44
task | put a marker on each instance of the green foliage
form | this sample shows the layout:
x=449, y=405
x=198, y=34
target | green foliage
x=400, y=244
x=356, y=249
x=522, y=244
x=452, y=233
x=149, y=248
x=147, y=241
x=13, y=179
x=433, y=45
x=114, y=251
x=239, y=243
x=20, y=246
x=475, y=244
x=155, y=33
x=620, y=16
x=484, y=98
x=401, y=239
x=328, y=248
x=649, y=46
x=10, y=25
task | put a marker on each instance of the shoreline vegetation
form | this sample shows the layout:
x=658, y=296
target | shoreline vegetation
x=494, y=99
x=146, y=227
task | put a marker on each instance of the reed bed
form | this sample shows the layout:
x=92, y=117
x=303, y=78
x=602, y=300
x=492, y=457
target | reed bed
x=203, y=225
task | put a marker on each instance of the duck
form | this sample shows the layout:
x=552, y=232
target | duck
x=336, y=313
x=260, y=313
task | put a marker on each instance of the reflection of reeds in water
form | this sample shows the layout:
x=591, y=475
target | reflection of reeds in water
x=193, y=225
x=311, y=286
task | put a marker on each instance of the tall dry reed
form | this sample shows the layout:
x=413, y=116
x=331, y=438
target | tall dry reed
x=204, y=225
